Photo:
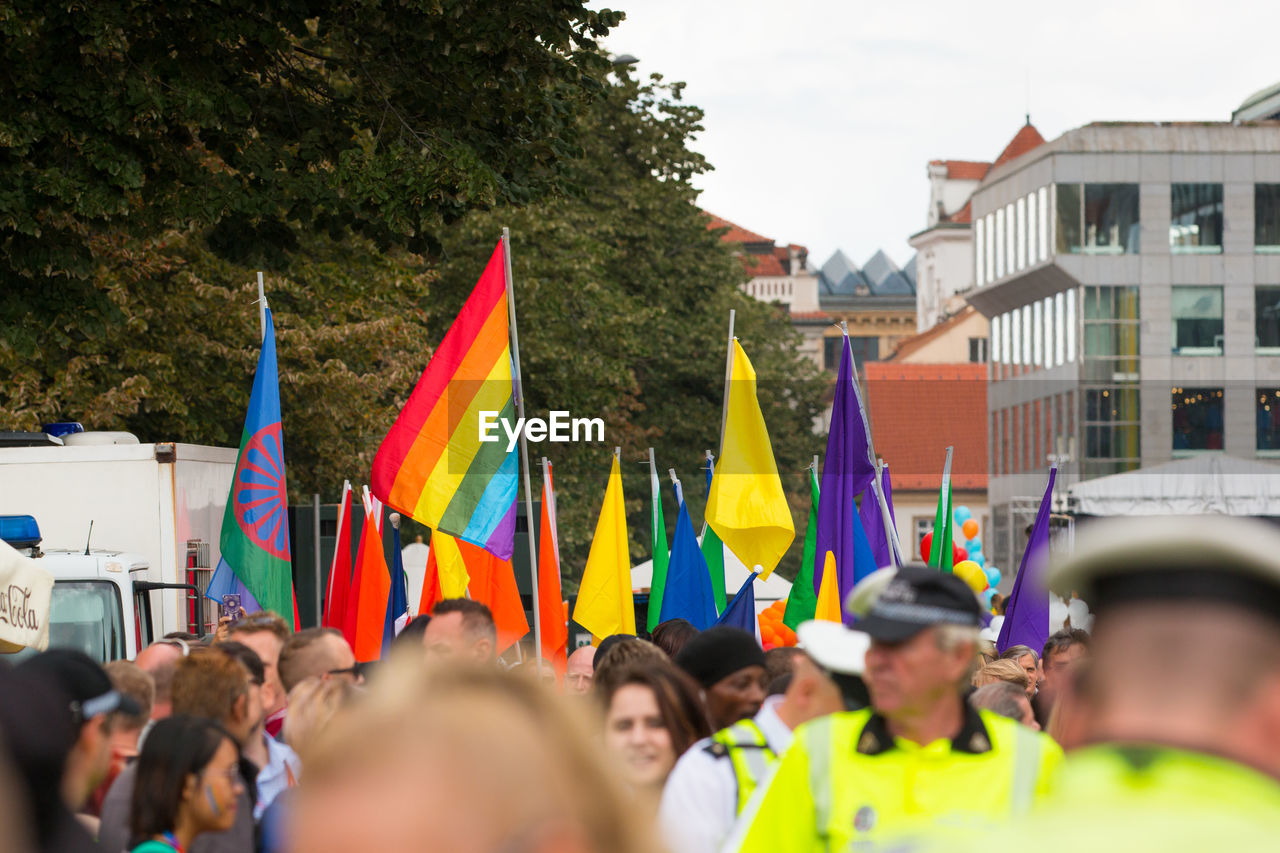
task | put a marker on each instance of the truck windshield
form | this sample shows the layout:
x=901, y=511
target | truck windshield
x=87, y=615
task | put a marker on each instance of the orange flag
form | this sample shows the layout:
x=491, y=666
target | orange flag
x=493, y=583
x=371, y=588
x=555, y=631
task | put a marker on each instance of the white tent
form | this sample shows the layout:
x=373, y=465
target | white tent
x=1210, y=483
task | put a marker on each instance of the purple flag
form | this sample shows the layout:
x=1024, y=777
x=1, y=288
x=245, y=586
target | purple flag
x=847, y=470
x=1026, y=619
x=873, y=521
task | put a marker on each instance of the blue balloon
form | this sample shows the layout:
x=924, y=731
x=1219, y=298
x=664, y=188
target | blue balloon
x=963, y=514
x=993, y=576
x=979, y=558
x=988, y=594
x=974, y=544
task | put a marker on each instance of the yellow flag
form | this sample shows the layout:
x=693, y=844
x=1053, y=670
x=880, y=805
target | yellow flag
x=450, y=565
x=747, y=508
x=605, y=605
x=828, y=609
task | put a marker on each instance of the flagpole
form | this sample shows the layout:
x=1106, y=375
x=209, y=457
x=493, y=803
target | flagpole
x=728, y=375
x=876, y=485
x=524, y=453
x=262, y=305
x=890, y=528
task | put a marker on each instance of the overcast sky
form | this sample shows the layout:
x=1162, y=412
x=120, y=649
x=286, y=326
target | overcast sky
x=821, y=115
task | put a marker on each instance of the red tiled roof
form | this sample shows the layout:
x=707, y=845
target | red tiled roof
x=917, y=410
x=963, y=170
x=963, y=216
x=810, y=315
x=915, y=342
x=761, y=264
x=1023, y=141
x=736, y=233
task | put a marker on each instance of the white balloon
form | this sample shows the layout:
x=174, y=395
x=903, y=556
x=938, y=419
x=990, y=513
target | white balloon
x=1080, y=616
x=1057, y=613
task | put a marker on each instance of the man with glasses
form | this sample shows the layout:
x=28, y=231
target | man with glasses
x=319, y=652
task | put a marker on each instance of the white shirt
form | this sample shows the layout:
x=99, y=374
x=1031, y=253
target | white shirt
x=700, y=800
x=280, y=773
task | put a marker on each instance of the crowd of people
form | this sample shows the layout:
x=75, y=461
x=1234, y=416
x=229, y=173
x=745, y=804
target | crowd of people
x=1160, y=731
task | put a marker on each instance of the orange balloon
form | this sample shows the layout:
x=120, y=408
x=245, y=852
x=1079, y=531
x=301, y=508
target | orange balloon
x=788, y=635
x=970, y=529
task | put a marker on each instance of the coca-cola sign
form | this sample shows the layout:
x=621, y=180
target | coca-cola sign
x=26, y=591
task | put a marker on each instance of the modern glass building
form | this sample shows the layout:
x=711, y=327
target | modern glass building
x=1131, y=274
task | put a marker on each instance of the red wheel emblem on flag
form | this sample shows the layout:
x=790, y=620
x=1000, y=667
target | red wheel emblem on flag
x=258, y=496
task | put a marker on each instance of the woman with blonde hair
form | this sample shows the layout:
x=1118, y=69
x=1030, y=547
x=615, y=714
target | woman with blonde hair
x=1004, y=670
x=465, y=760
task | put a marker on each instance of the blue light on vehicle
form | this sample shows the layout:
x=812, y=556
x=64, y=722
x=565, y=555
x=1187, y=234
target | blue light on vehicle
x=20, y=531
x=62, y=428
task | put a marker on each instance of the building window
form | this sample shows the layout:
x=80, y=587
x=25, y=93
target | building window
x=1269, y=421
x=831, y=347
x=1000, y=243
x=991, y=252
x=1037, y=335
x=1026, y=335
x=1011, y=238
x=1266, y=218
x=1197, y=320
x=1016, y=353
x=978, y=350
x=1197, y=419
x=1111, y=334
x=1112, y=430
x=1022, y=232
x=1195, y=225
x=1032, y=255
x=923, y=525
x=1059, y=329
x=1048, y=331
x=979, y=270
x=865, y=348
x=997, y=354
x=1099, y=219
x=1266, y=320
x=1071, y=326
x=1043, y=194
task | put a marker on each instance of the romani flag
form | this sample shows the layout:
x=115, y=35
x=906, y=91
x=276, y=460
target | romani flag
x=255, y=558
x=432, y=466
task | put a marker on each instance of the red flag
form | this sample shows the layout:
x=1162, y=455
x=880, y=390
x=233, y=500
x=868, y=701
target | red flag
x=555, y=631
x=335, y=599
x=432, y=594
x=371, y=586
x=493, y=583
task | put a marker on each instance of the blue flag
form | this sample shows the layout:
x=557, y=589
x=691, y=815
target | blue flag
x=688, y=593
x=1026, y=617
x=873, y=521
x=847, y=470
x=741, y=612
x=255, y=559
x=398, y=599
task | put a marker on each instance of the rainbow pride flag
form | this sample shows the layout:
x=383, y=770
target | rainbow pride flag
x=433, y=465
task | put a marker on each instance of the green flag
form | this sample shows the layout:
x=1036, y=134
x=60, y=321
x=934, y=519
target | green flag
x=941, y=553
x=713, y=548
x=802, y=603
x=658, y=546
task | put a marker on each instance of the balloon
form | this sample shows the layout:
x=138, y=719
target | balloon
x=963, y=514
x=970, y=528
x=958, y=554
x=974, y=544
x=971, y=573
x=925, y=544
x=993, y=576
x=979, y=558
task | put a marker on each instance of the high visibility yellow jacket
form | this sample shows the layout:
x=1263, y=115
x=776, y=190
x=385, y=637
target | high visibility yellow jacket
x=1132, y=797
x=846, y=781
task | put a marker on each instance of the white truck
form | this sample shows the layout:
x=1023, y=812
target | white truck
x=156, y=512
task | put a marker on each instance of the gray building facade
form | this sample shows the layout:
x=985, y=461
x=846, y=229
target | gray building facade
x=1131, y=273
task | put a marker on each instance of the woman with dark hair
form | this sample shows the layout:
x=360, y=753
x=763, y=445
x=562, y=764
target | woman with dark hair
x=652, y=715
x=187, y=783
x=670, y=636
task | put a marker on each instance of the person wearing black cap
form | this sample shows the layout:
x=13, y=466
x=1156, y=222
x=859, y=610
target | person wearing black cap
x=920, y=762
x=1179, y=704
x=729, y=664
x=92, y=699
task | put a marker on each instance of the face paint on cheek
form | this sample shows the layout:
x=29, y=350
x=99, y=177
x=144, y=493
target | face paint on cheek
x=213, y=801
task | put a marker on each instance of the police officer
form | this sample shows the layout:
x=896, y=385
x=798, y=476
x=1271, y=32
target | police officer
x=1180, y=703
x=716, y=777
x=918, y=763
